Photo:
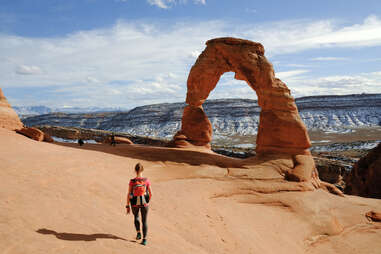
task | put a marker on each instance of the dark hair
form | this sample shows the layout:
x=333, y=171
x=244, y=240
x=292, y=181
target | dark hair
x=139, y=167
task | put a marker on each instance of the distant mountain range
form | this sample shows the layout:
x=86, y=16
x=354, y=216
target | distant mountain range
x=229, y=117
x=27, y=111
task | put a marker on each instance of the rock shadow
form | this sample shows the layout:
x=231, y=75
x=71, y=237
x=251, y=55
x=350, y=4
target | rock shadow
x=78, y=237
x=151, y=153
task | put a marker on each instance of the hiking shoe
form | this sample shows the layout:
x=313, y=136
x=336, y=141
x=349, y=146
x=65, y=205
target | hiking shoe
x=138, y=236
x=144, y=242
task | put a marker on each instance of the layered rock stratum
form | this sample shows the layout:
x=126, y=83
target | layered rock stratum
x=8, y=117
x=229, y=117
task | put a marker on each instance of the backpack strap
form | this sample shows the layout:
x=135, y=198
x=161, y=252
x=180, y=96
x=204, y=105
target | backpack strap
x=134, y=180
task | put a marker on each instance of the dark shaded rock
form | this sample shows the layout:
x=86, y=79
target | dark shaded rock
x=373, y=216
x=331, y=171
x=365, y=178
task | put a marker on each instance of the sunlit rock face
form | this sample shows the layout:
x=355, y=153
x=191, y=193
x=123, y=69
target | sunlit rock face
x=280, y=126
x=8, y=117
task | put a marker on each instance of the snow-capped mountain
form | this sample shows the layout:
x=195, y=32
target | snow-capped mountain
x=229, y=117
x=23, y=111
x=27, y=111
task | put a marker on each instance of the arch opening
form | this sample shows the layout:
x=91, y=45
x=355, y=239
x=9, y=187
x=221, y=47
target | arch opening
x=233, y=112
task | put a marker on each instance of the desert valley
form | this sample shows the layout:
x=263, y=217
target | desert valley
x=276, y=175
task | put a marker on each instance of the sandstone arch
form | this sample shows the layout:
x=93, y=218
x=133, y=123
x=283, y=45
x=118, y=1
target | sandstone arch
x=281, y=129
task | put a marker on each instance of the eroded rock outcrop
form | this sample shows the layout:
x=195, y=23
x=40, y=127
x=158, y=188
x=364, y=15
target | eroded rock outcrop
x=331, y=171
x=118, y=140
x=48, y=138
x=281, y=128
x=35, y=134
x=32, y=133
x=365, y=177
x=373, y=216
x=8, y=117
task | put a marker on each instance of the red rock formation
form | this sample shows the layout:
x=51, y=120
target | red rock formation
x=32, y=133
x=280, y=129
x=119, y=140
x=374, y=216
x=365, y=177
x=8, y=117
x=198, y=128
x=123, y=140
x=48, y=138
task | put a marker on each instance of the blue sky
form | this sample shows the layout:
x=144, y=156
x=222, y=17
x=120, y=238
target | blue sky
x=127, y=53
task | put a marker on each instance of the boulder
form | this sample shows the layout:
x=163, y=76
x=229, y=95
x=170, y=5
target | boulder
x=373, y=216
x=118, y=140
x=48, y=138
x=8, y=117
x=365, y=177
x=32, y=133
x=123, y=140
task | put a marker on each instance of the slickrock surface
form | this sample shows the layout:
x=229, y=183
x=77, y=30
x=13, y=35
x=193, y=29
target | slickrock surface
x=365, y=177
x=72, y=201
x=280, y=128
x=8, y=117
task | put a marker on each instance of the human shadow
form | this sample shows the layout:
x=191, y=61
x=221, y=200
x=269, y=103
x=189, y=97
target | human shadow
x=79, y=237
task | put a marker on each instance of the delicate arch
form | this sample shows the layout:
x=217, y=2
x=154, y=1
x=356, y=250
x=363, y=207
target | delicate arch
x=280, y=127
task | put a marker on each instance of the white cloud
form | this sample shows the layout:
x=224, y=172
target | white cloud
x=295, y=65
x=28, y=70
x=288, y=74
x=146, y=63
x=166, y=4
x=329, y=58
x=295, y=36
x=194, y=53
x=200, y=1
x=92, y=80
x=343, y=84
x=125, y=52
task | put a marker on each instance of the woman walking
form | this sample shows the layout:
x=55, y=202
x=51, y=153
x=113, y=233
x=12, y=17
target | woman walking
x=139, y=194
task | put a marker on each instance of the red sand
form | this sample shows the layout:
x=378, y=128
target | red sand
x=70, y=199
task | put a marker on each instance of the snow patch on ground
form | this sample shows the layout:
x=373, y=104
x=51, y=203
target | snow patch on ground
x=346, y=146
x=245, y=146
x=321, y=141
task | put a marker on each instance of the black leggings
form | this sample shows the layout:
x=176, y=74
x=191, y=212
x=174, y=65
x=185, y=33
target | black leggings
x=144, y=212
